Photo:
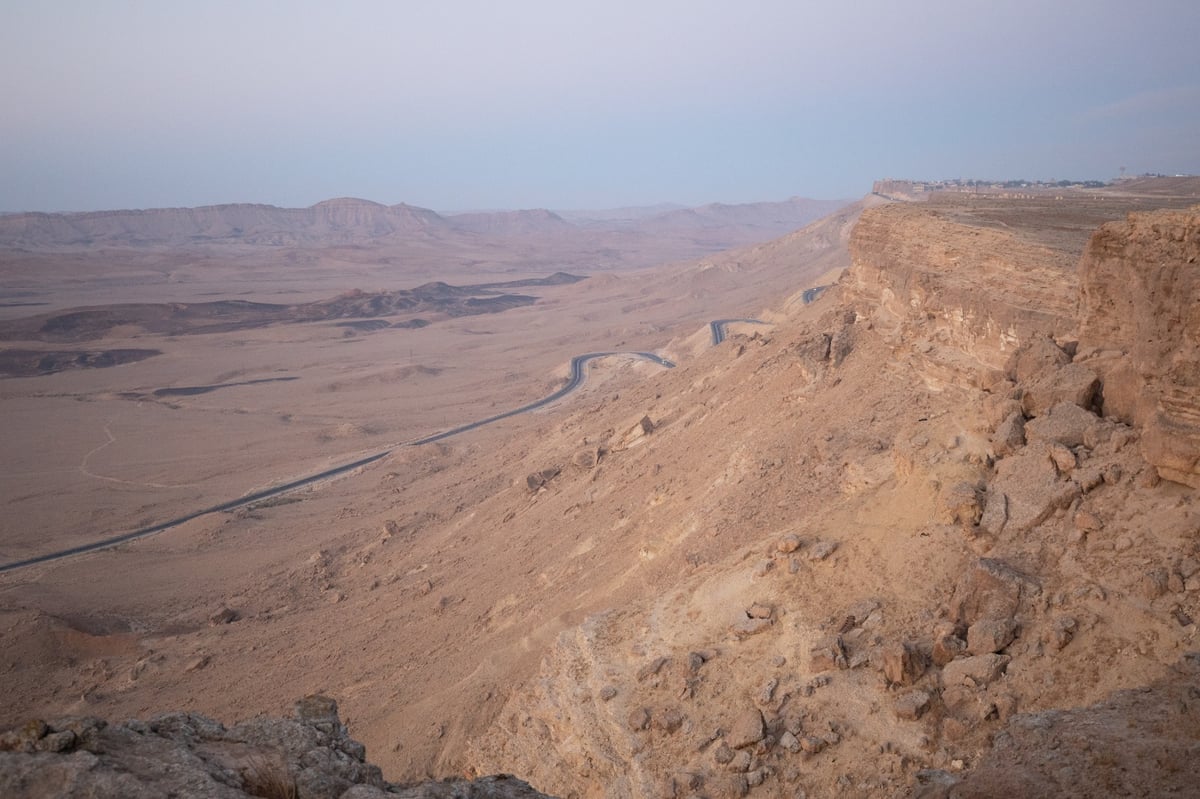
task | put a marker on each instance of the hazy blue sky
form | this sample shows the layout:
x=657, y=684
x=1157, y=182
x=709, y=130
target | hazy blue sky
x=455, y=104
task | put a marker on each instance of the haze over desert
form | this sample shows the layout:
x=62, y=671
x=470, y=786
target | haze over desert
x=602, y=401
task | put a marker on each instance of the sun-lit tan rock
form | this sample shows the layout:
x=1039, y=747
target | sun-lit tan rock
x=1140, y=296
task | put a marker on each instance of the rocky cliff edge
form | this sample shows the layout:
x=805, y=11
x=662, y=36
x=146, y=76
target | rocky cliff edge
x=998, y=593
x=310, y=756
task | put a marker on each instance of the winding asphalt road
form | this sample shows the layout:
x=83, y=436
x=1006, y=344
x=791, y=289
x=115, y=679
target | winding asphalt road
x=811, y=294
x=576, y=380
x=719, y=326
x=719, y=331
x=578, y=374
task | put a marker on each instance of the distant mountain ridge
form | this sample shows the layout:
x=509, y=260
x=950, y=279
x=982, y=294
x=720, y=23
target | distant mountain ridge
x=332, y=221
x=347, y=220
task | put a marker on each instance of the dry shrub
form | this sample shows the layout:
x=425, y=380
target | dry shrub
x=268, y=778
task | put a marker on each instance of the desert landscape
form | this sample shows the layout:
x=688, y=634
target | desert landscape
x=235, y=395
x=873, y=498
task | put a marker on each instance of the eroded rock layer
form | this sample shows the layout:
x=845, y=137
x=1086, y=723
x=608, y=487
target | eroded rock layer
x=1003, y=571
x=964, y=294
x=1140, y=308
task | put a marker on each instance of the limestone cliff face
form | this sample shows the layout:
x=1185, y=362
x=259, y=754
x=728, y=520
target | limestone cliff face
x=990, y=546
x=961, y=299
x=1140, y=308
x=963, y=296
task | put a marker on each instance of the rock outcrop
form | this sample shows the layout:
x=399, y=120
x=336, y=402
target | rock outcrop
x=964, y=300
x=962, y=295
x=185, y=754
x=1120, y=747
x=1140, y=306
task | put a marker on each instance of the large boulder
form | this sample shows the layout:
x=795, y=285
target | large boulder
x=1010, y=435
x=977, y=671
x=1065, y=423
x=746, y=729
x=988, y=636
x=1074, y=383
x=1025, y=492
x=1036, y=355
x=991, y=589
x=903, y=663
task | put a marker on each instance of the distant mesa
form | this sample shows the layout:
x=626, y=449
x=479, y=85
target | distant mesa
x=350, y=202
x=512, y=222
